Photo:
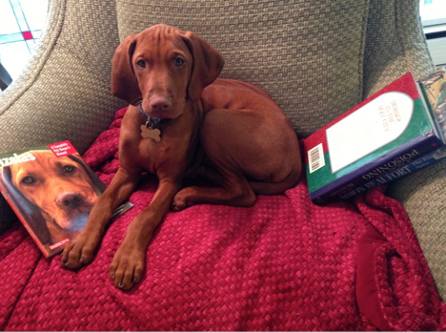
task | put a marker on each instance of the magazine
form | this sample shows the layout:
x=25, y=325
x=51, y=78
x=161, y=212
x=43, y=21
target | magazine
x=51, y=190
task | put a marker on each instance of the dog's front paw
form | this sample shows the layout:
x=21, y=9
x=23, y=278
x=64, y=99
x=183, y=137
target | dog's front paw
x=180, y=201
x=127, y=266
x=81, y=250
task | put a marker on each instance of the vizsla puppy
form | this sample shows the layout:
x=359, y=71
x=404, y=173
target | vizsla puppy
x=181, y=115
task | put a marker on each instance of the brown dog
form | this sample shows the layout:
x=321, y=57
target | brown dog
x=61, y=189
x=179, y=114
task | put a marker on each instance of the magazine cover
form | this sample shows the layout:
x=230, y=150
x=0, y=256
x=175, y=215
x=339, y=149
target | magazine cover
x=52, y=191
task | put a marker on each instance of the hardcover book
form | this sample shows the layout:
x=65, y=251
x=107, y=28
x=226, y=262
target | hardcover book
x=435, y=91
x=52, y=191
x=377, y=139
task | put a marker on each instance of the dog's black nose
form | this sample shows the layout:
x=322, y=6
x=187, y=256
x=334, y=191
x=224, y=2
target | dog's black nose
x=72, y=199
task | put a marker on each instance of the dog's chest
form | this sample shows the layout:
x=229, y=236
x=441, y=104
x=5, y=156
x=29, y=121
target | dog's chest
x=168, y=152
x=151, y=155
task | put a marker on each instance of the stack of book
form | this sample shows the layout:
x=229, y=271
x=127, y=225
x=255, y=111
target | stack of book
x=398, y=130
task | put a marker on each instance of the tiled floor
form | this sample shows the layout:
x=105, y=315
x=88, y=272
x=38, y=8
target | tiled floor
x=21, y=22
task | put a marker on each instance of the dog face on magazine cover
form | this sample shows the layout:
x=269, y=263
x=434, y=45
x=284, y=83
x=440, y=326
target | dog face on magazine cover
x=60, y=187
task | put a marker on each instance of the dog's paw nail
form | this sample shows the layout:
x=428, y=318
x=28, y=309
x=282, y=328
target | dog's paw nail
x=82, y=260
x=120, y=285
x=112, y=276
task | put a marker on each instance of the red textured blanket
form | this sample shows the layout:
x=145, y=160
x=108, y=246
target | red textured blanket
x=283, y=264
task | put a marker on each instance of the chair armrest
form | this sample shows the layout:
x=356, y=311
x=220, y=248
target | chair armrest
x=64, y=92
x=423, y=195
x=396, y=45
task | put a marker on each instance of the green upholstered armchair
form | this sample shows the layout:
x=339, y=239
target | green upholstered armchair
x=316, y=58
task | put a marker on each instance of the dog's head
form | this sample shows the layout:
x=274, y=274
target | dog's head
x=162, y=67
x=60, y=188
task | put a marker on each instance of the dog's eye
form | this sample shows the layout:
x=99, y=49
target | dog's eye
x=28, y=180
x=179, y=62
x=68, y=168
x=141, y=63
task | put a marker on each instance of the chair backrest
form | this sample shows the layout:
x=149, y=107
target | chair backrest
x=316, y=58
x=310, y=56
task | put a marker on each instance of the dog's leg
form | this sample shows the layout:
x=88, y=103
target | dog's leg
x=129, y=261
x=206, y=174
x=235, y=191
x=241, y=144
x=80, y=251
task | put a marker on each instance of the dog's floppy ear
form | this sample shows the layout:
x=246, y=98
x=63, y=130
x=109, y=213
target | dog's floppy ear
x=207, y=64
x=123, y=83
